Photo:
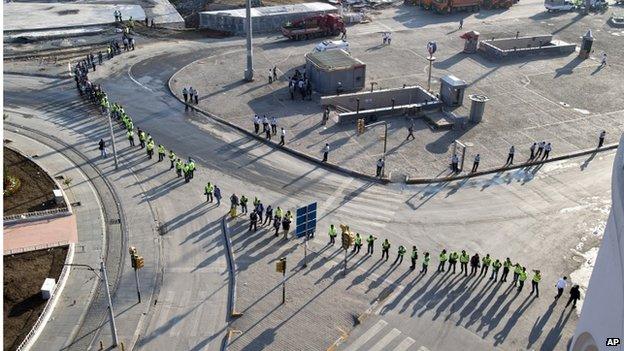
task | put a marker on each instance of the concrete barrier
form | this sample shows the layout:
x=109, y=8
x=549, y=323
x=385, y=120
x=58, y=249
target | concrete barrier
x=507, y=48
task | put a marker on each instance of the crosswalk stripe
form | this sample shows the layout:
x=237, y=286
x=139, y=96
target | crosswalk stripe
x=368, y=209
x=359, y=342
x=381, y=344
x=405, y=344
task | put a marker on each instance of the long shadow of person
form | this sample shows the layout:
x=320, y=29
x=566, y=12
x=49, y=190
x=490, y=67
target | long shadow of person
x=554, y=335
x=500, y=337
x=539, y=324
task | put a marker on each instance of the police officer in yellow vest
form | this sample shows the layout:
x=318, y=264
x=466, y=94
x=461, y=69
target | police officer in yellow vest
x=517, y=271
x=161, y=152
x=191, y=165
x=385, y=249
x=357, y=244
x=537, y=276
x=187, y=172
x=371, y=244
x=172, y=157
x=485, y=265
x=443, y=258
x=425, y=263
x=400, y=253
x=463, y=261
x=496, y=265
x=130, y=134
x=208, y=189
x=142, y=138
x=506, y=267
x=179, y=167
x=150, y=149
x=332, y=234
x=522, y=276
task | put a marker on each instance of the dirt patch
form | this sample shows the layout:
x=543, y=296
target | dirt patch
x=35, y=190
x=23, y=276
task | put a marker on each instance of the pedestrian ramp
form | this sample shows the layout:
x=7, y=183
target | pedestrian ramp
x=381, y=337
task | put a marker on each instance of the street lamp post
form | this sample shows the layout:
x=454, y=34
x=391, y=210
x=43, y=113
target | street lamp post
x=430, y=59
x=249, y=71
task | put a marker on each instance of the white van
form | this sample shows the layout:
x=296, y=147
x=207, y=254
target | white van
x=332, y=45
x=559, y=5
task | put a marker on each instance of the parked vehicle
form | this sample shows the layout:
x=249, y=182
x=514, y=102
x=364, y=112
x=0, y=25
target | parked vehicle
x=559, y=5
x=314, y=26
x=326, y=45
x=448, y=6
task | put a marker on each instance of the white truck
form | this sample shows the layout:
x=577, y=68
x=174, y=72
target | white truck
x=559, y=5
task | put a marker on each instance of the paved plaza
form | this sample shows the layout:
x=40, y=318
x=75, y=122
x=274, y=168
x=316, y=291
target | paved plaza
x=563, y=100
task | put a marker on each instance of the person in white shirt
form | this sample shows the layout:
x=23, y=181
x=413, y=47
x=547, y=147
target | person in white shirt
x=561, y=284
x=454, y=163
x=274, y=125
x=510, y=156
x=547, y=149
x=256, y=122
x=475, y=165
x=282, y=141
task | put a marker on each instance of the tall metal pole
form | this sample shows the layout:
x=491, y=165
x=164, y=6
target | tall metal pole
x=284, y=283
x=112, y=136
x=344, y=272
x=305, y=251
x=383, y=168
x=110, y=305
x=136, y=277
x=249, y=70
x=430, y=59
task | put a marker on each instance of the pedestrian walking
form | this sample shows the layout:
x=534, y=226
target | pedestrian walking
x=370, y=244
x=130, y=135
x=100, y=58
x=389, y=38
x=410, y=132
x=540, y=149
x=325, y=152
x=537, y=276
x=259, y=208
x=532, y=149
x=256, y=123
x=547, y=149
x=414, y=257
x=273, y=125
x=196, y=93
x=517, y=34
x=185, y=94
x=191, y=92
x=601, y=138
x=380, y=167
x=384, y=38
x=464, y=258
x=461, y=23
x=191, y=164
x=425, y=264
x=268, y=215
x=443, y=258
x=521, y=278
x=274, y=73
x=243, y=204
x=575, y=295
x=276, y=224
x=217, y=195
x=270, y=76
x=506, y=266
x=485, y=265
x=332, y=234
x=265, y=124
x=102, y=147
x=286, y=222
x=475, y=164
x=496, y=265
x=474, y=264
x=453, y=257
x=142, y=138
x=283, y=137
x=561, y=284
x=385, y=249
x=208, y=190
x=400, y=252
x=603, y=62
x=455, y=163
x=357, y=243
x=267, y=134
x=253, y=221
x=510, y=156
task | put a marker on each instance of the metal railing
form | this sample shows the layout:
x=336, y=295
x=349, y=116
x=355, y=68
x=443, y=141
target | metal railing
x=36, y=214
x=35, y=247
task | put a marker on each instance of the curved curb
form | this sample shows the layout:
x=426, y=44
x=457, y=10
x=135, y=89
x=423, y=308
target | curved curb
x=504, y=169
x=290, y=151
x=363, y=176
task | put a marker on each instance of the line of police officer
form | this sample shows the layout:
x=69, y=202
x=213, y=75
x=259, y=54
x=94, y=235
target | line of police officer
x=520, y=274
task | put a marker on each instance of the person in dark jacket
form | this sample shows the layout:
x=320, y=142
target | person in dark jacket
x=575, y=295
x=474, y=264
x=102, y=147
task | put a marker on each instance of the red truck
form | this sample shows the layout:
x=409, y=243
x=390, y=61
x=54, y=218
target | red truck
x=314, y=26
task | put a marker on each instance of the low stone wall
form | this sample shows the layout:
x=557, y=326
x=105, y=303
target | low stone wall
x=371, y=115
x=499, y=49
x=378, y=99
